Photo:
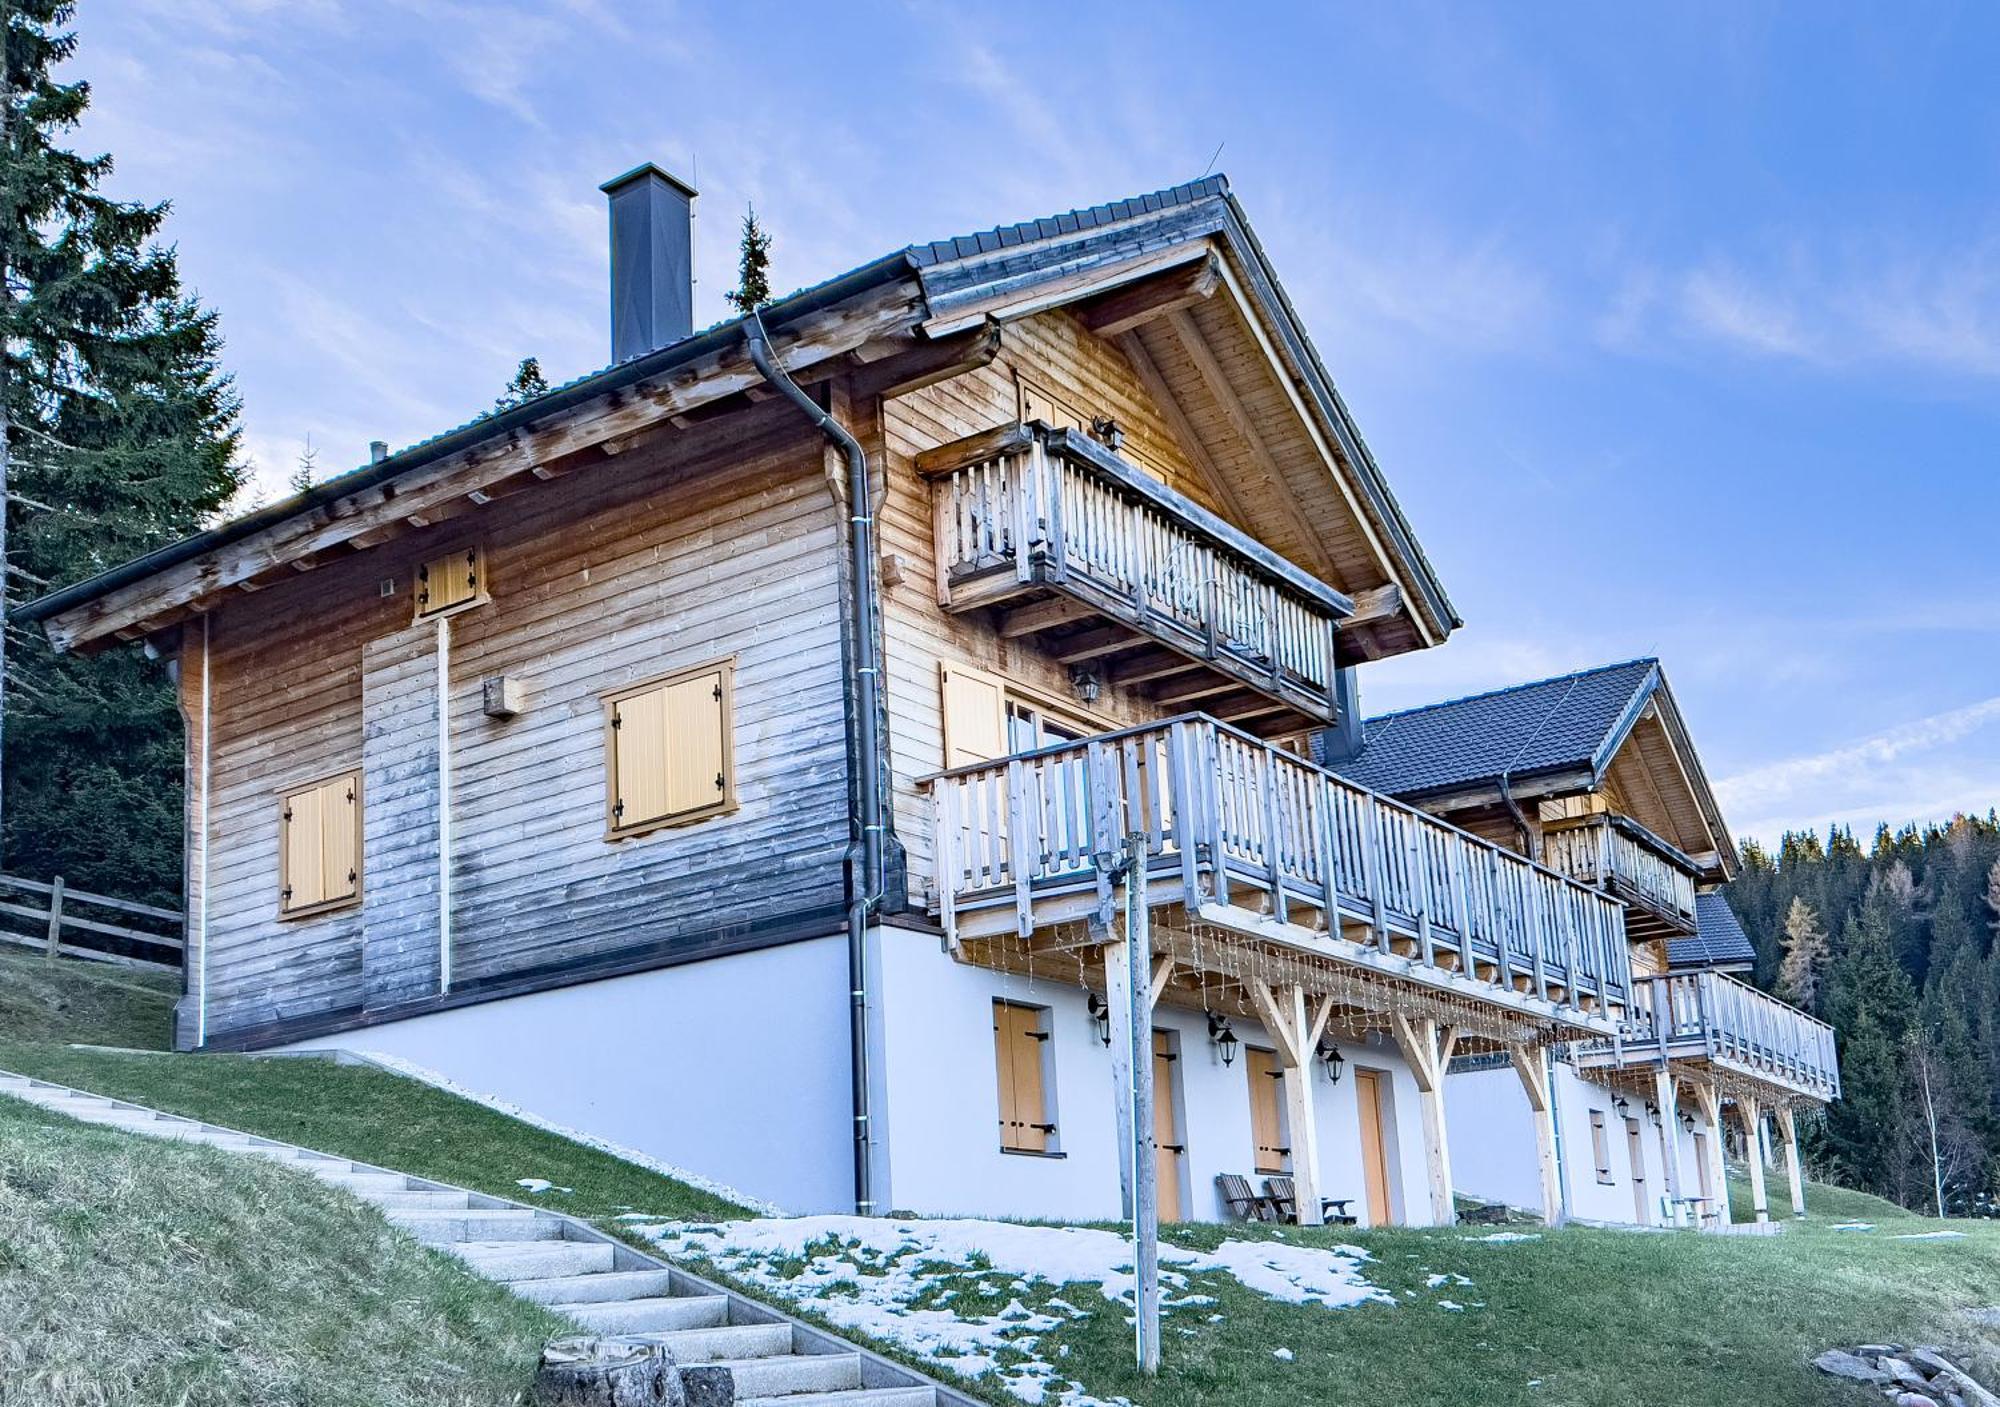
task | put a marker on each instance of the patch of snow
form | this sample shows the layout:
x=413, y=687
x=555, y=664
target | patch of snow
x=889, y=1279
x=1283, y=1355
x=1432, y=1282
x=540, y=1184
x=1450, y=1304
x=397, y=1065
x=1501, y=1238
x=1930, y=1236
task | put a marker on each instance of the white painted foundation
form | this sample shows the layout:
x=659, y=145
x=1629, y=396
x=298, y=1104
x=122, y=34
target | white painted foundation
x=735, y=1068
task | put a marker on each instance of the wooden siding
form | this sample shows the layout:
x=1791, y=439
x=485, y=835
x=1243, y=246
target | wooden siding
x=694, y=546
x=1055, y=351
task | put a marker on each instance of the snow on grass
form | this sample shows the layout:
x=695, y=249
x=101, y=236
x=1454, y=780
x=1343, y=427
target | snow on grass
x=1930, y=1236
x=1502, y=1238
x=930, y=1286
x=1853, y=1226
x=539, y=1185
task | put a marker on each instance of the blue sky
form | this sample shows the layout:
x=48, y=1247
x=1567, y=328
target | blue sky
x=1677, y=331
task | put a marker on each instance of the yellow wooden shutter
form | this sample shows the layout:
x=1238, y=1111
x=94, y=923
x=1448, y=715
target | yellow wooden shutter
x=1038, y=403
x=340, y=865
x=1017, y=1041
x=446, y=581
x=1600, y=1146
x=697, y=777
x=304, y=858
x=639, y=758
x=1266, y=1125
x=975, y=716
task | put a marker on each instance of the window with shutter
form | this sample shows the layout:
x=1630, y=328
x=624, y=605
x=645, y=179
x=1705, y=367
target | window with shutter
x=457, y=578
x=1020, y=1056
x=319, y=846
x=975, y=716
x=667, y=750
x=1600, y=1146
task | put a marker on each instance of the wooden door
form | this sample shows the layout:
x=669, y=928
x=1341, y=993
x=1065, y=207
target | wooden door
x=1642, y=1202
x=1170, y=1152
x=1267, y=1119
x=1701, y=1169
x=1374, y=1151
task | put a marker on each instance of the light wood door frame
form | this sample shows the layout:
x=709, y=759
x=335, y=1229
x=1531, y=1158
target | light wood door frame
x=1170, y=1142
x=1373, y=1129
x=1263, y=1070
x=1635, y=1147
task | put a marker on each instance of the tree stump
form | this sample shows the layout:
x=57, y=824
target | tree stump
x=586, y=1371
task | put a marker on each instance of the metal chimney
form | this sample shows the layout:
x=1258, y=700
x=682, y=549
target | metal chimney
x=652, y=269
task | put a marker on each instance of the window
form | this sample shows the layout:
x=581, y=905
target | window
x=667, y=750
x=1600, y=1146
x=1039, y=403
x=985, y=717
x=1267, y=1116
x=1021, y=1055
x=319, y=846
x=456, y=579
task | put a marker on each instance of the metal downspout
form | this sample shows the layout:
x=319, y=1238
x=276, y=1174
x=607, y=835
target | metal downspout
x=867, y=894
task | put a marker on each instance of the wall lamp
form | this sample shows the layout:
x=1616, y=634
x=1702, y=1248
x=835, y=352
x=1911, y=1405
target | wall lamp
x=1332, y=1061
x=1222, y=1038
x=1100, y=1012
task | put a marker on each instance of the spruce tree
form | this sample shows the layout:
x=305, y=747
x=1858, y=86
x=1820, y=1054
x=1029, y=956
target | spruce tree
x=120, y=434
x=753, y=269
x=527, y=384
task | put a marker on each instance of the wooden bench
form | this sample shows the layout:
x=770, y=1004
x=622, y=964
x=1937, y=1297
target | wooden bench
x=1283, y=1192
x=1244, y=1203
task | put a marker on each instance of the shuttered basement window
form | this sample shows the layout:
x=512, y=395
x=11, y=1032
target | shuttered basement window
x=1600, y=1146
x=450, y=580
x=1020, y=1040
x=668, y=757
x=1267, y=1124
x=319, y=846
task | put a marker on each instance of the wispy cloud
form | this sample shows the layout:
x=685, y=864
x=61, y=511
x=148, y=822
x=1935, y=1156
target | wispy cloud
x=1912, y=772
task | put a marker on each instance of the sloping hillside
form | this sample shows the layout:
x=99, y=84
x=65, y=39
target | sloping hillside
x=74, y=1000
x=135, y=1273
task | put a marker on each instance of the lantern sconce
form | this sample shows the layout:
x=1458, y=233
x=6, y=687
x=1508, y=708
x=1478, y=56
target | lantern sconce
x=1687, y=1122
x=1652, y=1111
x=1086, y=685
x=1222, y=1038
x=1332, y=1061
x=1100, y=1012
x=1622, y=1105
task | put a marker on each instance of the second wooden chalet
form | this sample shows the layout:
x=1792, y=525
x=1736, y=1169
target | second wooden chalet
x=1594, y=774
x=741, y=752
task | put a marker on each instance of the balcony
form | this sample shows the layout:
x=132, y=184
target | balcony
x=1626, y=859
x=1715, y=1020
x=1285, y=859
x=1117, y=574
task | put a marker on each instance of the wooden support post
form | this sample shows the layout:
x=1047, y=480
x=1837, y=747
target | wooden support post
x=1531, y=1063
x=1747, y=1110
x=1666, y=1094
x=1708, y=1099
x=1427, y=1048
x=1144, y=1154
x=1296, y=1034
x=1118, y=999
x=55, y=916
x=1788, y=1125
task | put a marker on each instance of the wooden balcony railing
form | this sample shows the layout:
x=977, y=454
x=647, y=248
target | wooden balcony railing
x=1025, y=510
x=1238, y=829
x=1617, y=855
x=1712, y=1016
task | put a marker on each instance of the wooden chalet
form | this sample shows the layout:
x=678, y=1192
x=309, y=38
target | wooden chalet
x=735, y=751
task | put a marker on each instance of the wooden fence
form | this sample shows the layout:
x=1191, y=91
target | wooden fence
x=46, y=916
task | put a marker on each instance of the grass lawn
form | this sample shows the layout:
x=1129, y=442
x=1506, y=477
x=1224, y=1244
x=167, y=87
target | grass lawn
x=1577, y=1316
x=135, y=1273
x=70, y=999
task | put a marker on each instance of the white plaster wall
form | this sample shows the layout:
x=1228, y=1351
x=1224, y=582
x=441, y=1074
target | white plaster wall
x=940, y=1118
x=735, y=1068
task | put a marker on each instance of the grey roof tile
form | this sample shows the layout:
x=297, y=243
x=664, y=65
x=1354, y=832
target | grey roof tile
x=1718, y=941
x=1069, y=222
x=1551, y=723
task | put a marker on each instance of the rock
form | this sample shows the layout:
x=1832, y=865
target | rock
x=1915, y=1399
x=1904, y=1374
x=1988, y=1316
x=1965, y=1387
x=1929, y=1360
x=586, y=1371
x=1841, y=1364
x=706, y=1385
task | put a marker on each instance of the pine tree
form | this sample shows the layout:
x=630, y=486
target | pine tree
x=1993, y=901
x=753, y=271
x=1806, y=955
x=527, y=384
x=306, y=470
x=119, y=434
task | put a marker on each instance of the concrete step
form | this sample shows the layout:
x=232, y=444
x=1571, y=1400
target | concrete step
x=853, y=1397
x=361, y=1184
x=418, y=1199
x=499, y=1224
x=595, y=1289
x=638, y=1316
x=533, y=1260
x=731, y=1341
x=793, y=1373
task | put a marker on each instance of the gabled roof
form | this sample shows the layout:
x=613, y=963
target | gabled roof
x=1568, y=722
x=1074, y=256
x=1719, y=940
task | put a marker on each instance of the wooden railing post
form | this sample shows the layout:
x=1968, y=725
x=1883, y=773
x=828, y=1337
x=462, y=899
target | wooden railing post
x=55, y=915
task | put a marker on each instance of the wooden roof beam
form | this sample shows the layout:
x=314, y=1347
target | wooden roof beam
x=1043, y=615
x=1097, y=644
x=1217, y=381
x=1183, y=430
x=1121, y=311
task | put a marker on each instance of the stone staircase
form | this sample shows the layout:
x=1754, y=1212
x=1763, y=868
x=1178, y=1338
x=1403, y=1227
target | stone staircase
x=732, y=1349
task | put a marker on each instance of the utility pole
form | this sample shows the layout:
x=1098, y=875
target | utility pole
x=1145, y=1161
